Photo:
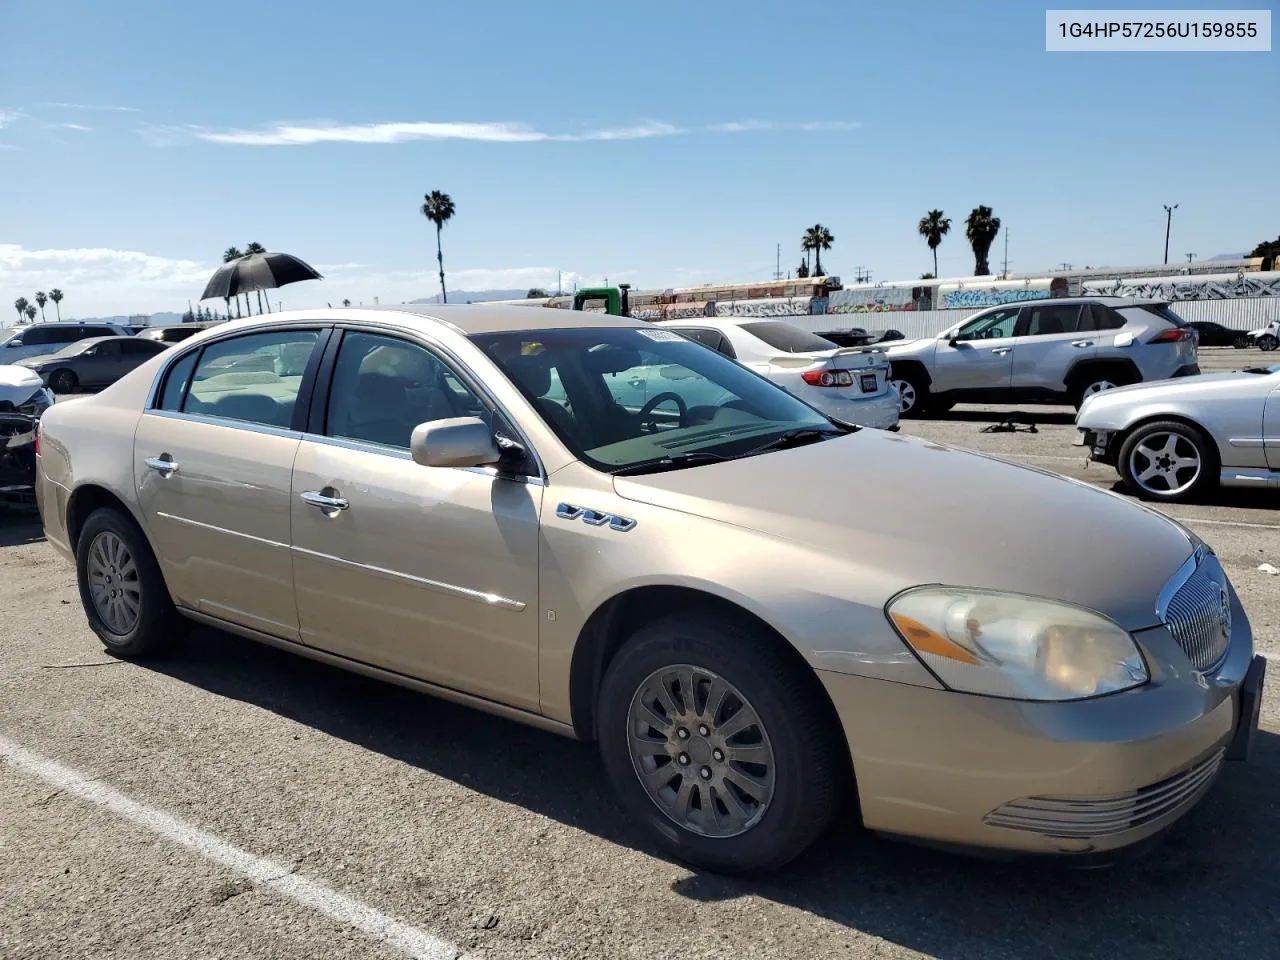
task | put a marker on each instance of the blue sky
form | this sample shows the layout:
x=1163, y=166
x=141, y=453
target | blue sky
x=666, y=143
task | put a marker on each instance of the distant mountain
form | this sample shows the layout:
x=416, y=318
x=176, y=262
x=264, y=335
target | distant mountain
x=478, y=296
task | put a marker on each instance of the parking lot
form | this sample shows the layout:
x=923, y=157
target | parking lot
x=235, y=801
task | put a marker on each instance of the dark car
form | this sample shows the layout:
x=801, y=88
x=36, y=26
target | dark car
x=859, y=337
x=1216, y=335
x=97, y=362
x=173, y=334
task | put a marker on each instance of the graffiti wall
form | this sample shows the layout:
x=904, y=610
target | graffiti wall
x=779, y=307
x=1209, y=287
x=874, y=300
x=974, y=297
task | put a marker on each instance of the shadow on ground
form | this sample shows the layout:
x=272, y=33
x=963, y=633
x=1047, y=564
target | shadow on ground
x=1213, y=885
x=1044, y=415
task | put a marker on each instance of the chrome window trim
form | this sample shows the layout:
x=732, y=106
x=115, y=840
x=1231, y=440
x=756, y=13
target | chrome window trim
x=247, y=425
x=399, y=453
x=461, y=370
x=479, y=596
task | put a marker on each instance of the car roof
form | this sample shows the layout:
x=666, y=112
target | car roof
x=88, y=341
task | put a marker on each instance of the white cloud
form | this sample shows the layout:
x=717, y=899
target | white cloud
x=69, y=126
x=9, y=117
x=91, y=106
x=741, y=126
x=829, y=125
x=8, y=146
x=300, y=133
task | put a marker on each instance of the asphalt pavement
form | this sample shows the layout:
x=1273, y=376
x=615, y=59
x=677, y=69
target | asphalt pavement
x=235, y=801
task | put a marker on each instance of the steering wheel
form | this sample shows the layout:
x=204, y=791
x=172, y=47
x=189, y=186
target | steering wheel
x=647, y=410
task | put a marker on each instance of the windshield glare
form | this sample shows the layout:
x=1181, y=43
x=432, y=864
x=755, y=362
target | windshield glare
x=621, y=396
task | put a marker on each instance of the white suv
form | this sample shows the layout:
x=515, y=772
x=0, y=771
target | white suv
x=1059, y=350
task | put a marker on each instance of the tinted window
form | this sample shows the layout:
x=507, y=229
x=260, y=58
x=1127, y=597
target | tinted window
x=1162, y=311
x=175, y=382
x=1097, y=316
x=108, y=348
x=708, y=338
x=1046, y=319
x=95, y=332
x=135, y=347
x=787, y=337
x=47, y=334
x=254, y=378
x=383, y=387
x=987, y=326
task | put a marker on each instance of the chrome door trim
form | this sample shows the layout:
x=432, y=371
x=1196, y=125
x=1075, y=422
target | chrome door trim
x=215, y=529
x=399, y=453
x=479, y=596
x=246, y=425
x=1247, y=442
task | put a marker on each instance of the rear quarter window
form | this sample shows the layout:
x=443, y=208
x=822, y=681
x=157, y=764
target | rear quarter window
x=1162, y=311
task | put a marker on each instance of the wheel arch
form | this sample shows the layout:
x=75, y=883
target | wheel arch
x=1123, y=434
x=88, y=497
x=1086, y=366
x=912, y=364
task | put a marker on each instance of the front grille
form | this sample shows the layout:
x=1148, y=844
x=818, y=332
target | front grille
x=1198, y=613
x=1085, y=818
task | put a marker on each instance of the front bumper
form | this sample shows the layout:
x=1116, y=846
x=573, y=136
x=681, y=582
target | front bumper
x=1079, y=778
x=17, y=456
x=1187, y=370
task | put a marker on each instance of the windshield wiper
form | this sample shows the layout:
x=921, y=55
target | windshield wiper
x=794, y=438
x=675, y=461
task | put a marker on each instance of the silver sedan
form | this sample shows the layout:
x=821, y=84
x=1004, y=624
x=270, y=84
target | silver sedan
x=1179, y=438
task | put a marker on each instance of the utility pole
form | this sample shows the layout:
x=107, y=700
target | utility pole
x=1004, y=272
x=1168, y=225
x=558, y=283
x=1064, y=266
x=777, y=270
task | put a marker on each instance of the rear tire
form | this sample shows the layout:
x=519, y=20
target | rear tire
x=1168, y=461
x=658, y=720
x=913, y=392
x=63, y=381
x=1090, y=382
x=122, y=589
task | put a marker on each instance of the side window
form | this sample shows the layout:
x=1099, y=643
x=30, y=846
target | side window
x=989, y=326
x=710, y=338
x=95, y=332
x=108, y=348
x=1047, y=319
x=38, y=335
x=176, y=382
x=383, y=387
x=242, y=378
x=1103, y=318
x=140, y=348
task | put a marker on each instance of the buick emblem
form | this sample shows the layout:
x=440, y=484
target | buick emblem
x=1224, y=610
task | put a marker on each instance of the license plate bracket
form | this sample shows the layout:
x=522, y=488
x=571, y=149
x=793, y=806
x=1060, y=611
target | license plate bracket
x=1250, y=710
x=869, y=383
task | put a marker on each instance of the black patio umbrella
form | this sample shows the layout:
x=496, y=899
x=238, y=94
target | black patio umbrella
x=257, y=271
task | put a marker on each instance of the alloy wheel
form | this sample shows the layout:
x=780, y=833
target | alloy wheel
x=906, y=394
x=114, y=585
x=1165, y=464
x=701, y=751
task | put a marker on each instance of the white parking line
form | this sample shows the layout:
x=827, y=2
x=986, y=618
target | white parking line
x=1229, y=523
x=273, y=876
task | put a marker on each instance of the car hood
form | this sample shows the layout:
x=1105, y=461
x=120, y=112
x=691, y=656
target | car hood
x=1177, y=388
x=17, y=384
x=916, y=512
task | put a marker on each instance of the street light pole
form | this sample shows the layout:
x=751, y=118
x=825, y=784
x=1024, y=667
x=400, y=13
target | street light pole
x=1168, y=225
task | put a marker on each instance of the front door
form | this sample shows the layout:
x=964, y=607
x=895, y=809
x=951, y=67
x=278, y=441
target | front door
x=978, y=360
x=430, y=572
x=1271, y=427
x=212, y=462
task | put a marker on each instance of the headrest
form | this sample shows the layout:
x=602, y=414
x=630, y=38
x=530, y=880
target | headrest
x=531, y=373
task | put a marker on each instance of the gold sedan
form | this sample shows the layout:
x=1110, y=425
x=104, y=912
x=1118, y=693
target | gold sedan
x=767, y=618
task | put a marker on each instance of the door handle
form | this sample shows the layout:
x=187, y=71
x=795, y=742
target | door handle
x=163, y=465
x=1082, y=343
x=1000, y=351
x=315, y=498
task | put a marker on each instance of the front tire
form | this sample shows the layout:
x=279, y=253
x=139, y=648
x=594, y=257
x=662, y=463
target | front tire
x=1168, y=461
x=718, y=744
x=1268, y=342
x=122, y=589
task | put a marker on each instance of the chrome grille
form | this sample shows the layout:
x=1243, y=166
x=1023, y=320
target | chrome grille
x=1084, y=818
x=1197, y=610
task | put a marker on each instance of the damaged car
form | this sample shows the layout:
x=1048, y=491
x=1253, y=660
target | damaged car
x=23, y=398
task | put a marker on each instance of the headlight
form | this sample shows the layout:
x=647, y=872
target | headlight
x=1006, y=645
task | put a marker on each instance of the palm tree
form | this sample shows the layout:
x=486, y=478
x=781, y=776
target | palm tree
x=802, y=271
x=980, y=227
x=933, y=227
x=438, y=208
x=31, y=312
x=817, y=238
x=346, y=302
x=21, y=306
x=256, y=247
x=56, y=296
x=41, y=299
x=536, y=293
x=229, y=254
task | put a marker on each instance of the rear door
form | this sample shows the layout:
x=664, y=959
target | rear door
x=1049, y=343
x=101, y=364
x=1271, y=425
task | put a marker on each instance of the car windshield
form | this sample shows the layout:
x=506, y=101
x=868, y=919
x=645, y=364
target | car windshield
x=635, y=399
x=75, y=349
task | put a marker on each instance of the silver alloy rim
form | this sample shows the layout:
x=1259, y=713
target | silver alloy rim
x=906, y=394
x=1165, y=463
x=113, y=583
x=700, y=751
x=1098, y=386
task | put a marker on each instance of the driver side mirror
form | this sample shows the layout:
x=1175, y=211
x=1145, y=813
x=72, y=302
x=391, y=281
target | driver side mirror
x=15, y=343
x=456, y=442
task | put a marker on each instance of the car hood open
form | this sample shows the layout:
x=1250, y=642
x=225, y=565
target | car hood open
x=920, y=512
